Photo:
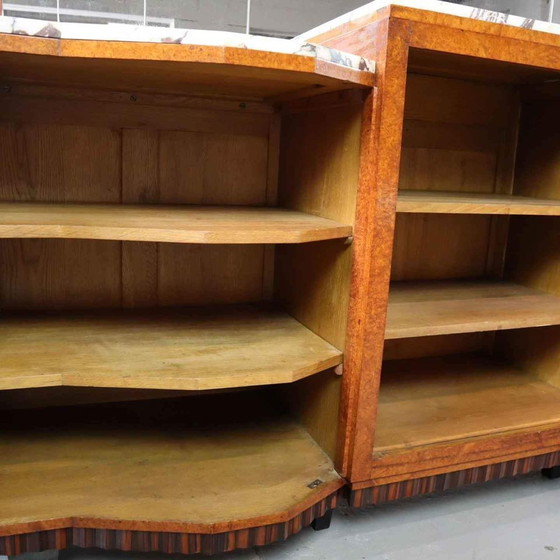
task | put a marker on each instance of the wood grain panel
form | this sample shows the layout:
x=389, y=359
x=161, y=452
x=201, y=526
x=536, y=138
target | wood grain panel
x=430, y=246
x=319, y=174
x=61, y=164
x=192, y=167
x=533, y=253
x=59, y=274
x=538, y=169
x=319, y=171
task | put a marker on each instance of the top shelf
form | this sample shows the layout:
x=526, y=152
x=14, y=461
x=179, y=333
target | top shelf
x=182, y=61
x=174, y=224
x=433, y=202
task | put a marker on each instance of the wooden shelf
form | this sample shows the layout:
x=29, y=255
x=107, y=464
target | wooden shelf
x=433, y=202
x=434, y=400
x=448, y=307
x=174, y=224
x=206, y=464
x=189, y=349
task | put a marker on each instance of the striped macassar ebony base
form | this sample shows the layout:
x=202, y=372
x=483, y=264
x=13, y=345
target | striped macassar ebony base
x=376, y=495
x=175, y=543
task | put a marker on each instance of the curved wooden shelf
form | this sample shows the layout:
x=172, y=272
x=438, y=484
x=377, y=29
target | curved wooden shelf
x=188, y=475
x=186, y=349
x=434, y=202
x=173, y=224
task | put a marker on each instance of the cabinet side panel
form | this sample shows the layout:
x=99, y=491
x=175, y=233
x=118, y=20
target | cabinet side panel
x=538, y=163
x=319, y=168
x=319, y=171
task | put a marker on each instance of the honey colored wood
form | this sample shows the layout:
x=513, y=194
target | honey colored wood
x=435, y=400
x=175, y=466
x=170, y=173
x=468, y=80
x=172, y=224
x=194, y=69
x=422, y=252
x=319, y=174
x=460, y=203
x=215, y=155
x=190, y=349
x=435, y=308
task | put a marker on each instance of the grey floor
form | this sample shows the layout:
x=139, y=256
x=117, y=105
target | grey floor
x=506, y=520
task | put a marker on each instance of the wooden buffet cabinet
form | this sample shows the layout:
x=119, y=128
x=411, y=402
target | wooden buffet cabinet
x=241, y=278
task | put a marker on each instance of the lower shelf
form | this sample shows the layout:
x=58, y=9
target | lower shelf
x=435, y=400
x=196, y=467
x=175, y=349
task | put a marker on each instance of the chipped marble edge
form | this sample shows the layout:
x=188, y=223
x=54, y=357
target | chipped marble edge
x=137, y=33
x=433, y=6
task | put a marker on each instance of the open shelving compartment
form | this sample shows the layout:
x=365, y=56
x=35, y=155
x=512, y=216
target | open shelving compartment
x=472, y=342
x=176, y=248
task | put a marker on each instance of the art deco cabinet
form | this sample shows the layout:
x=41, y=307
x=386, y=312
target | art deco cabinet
x=460, y=375
x=178, y=233
x=240, y=277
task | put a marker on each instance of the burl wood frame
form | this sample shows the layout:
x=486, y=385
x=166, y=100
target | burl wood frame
x=387, y=36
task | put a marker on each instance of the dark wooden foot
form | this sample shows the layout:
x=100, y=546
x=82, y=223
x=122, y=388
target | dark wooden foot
x=323, y=522
x=552, y=473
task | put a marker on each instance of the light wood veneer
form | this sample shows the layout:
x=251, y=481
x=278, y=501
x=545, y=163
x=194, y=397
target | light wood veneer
x=173, y=224
x=183, y=349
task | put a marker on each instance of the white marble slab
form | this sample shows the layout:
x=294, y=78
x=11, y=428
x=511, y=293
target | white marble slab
x=138, y=33
x=433, y=6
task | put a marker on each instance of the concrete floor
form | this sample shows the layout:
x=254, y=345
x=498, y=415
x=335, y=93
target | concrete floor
x=505, y=520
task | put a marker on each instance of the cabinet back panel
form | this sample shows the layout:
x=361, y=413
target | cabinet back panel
x=441, y=345
x=458, y=135
x=533, y=254
x=81, y=274
x=211, y=157
x=441, y=246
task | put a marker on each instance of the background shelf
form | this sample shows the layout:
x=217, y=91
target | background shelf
x=204, y=464
x=185, y=349
x=434, y=400
x=175, y=224
x=447, y=307
x=433, y=202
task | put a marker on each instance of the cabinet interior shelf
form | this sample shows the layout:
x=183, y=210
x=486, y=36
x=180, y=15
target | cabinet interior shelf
x=434, y=400
x=447, y=307
x=433, y=202
x=195, y=464
x=174, y=224
x=177, y=349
